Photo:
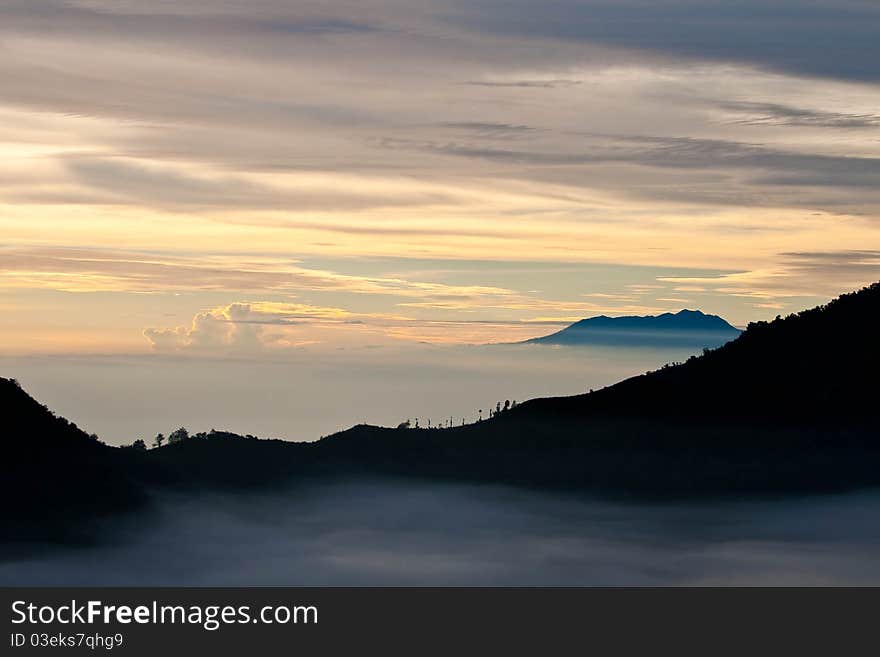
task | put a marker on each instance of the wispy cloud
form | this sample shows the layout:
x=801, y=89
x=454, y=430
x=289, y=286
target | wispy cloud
x=491, y=130
x=92, y=270
x=526, y=84
x=236, y=147
x=797, y=275
x=773, y=114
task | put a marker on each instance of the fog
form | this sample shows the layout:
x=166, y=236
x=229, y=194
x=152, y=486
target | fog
x=411, y=533
x=306, y=394
x=407, y=533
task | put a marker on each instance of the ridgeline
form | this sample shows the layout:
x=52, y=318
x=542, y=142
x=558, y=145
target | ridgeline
x=788, y=407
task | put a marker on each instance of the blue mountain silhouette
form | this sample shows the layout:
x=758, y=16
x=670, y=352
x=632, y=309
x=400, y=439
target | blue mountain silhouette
x=691, y=328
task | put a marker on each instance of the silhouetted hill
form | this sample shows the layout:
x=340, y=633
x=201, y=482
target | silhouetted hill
x=788, y=407
x=55, y=480
x=819, y=363
x=686, y=328
x=225, y=460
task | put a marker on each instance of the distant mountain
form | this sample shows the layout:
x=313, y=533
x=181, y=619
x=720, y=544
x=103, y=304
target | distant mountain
x=686, y=328
x=788, y=407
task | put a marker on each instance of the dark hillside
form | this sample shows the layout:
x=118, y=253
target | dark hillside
x=55, y=480
x=789, y=407
x=822, y=363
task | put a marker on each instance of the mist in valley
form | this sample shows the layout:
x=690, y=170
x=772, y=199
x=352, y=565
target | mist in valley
x=425, y=533
x=410, y=532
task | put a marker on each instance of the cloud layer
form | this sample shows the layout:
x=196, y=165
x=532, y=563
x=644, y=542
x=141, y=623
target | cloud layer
x=202, y=153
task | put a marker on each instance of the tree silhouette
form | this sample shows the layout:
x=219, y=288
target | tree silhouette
x=177, y=435
x=158, y=440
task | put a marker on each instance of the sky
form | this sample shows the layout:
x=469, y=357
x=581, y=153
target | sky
x=233, y=178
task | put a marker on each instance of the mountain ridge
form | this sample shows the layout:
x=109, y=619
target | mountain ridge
x=685, y=328
x=787, y=408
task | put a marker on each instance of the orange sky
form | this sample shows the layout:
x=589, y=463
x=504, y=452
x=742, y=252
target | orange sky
x=260, y=177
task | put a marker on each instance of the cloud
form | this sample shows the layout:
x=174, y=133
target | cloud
x=745, y=174
x=775, y=114
x=782, y=36
x=189, y=114
x=225, y=144
x=491, y=130
x=253, y=326
x=525, y=84
x=432, y=533
x=210, y=330
x=95, y=270
x=127, y=180
x=240, y=327
x=92, y=270
x=664, y=152
x=796, y=275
